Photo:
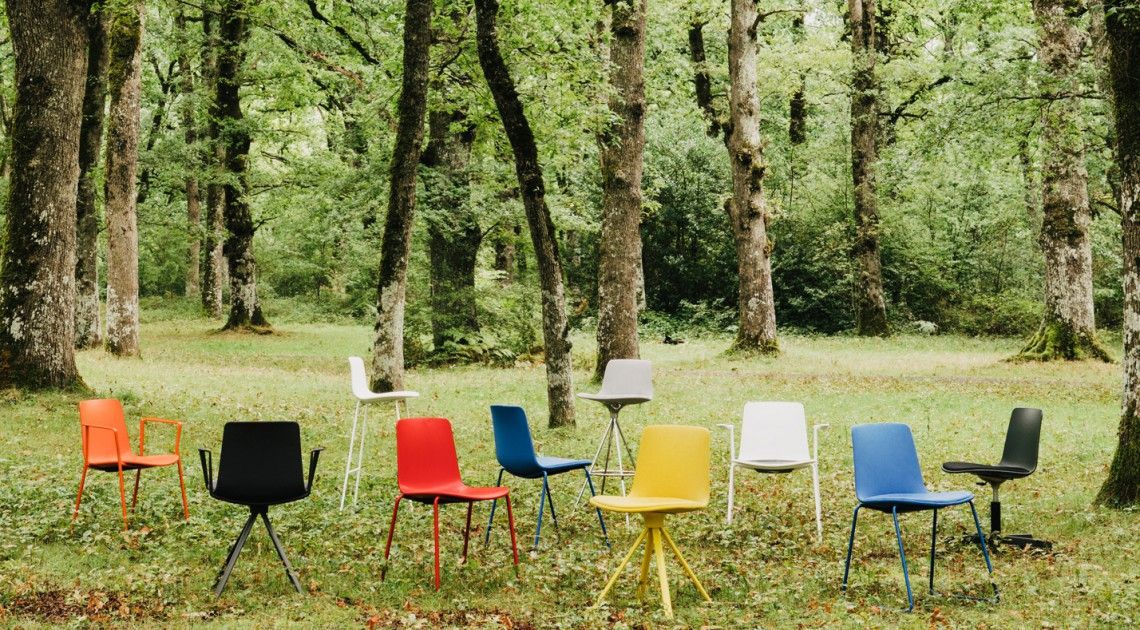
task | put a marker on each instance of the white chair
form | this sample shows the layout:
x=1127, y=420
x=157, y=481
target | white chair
x=625, y=382
x=364, y=396
x=773, y=439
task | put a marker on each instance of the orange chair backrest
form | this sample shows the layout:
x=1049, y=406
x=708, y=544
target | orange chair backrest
x=106, y=412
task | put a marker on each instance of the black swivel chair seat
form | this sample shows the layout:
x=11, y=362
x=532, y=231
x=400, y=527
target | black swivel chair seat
x=259, y=466
x=1018, y=460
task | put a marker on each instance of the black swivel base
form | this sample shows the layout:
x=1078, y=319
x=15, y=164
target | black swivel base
x=1025, y=541
x=231, y=560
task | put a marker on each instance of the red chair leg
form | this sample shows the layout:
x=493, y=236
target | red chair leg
x=135, y=495
x=435, y=535
x=182, y=484
x=79, y=496
x=123, y=498
x=391, y=531
x=511, y=522
x=467, y=529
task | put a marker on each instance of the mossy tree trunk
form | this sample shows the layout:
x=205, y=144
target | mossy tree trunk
x=214, y=261
x=190, y=134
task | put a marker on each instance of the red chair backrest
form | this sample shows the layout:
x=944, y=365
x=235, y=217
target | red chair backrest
x=99, y=444
x=425, y=454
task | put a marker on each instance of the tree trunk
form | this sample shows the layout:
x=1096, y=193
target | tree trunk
x=214, y=263
x=1068, y=329
x=245, y=307
x=622, y=150
x=88, y=328
x=124, y=79
x=190, y=133
x=388, y=347
x=870, y=304
x=37, y=274
x=453, y=226
x=555, y=327
x=797, y=106
x=1122, y=28
x=506, y=249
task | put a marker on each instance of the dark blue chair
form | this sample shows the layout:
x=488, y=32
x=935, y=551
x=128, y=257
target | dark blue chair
x=888, y=479
x=514, y=449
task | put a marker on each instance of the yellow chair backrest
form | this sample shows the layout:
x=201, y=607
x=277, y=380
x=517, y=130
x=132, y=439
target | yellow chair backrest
x=673, y=461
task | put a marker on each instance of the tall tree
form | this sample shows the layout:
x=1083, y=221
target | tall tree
x=245, y=307
x=1068, y=328
x=37, y=270
x=88, y=328
x=190, y=133
x=388, y=347
x=1122, y=28
x=213, y=154
x=870, y=303
x=622, y=162
x=555, y=326
x=124, y=79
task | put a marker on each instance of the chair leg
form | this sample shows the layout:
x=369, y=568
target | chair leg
x=391, y=531
x=435, y=538
x=933, y=540
x=601, y=521
x=850, y=547
x=985, y=551
x=594, y=465
x=348, y=460
x=902, y=557
x=541, y=507
x=636, y=544
x=79, y=495
x=467, y=530
x=281, y=552
x=685, y=565
x=514, y=543
x=731, y=488
x=494, y=502
x=818, y=511
x=360, y=456
x=553, y=513
x=123, y=498
x=135, y=494
x=666, y=599
x=231, y=560
x=182, y=485
x=643, y=577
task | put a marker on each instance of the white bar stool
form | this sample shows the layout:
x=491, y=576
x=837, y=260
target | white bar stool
x=364, y=396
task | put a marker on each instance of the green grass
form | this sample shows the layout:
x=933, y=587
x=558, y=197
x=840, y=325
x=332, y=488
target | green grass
x=765, y=570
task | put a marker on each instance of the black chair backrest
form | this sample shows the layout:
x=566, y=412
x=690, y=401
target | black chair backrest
x=1022, y=439
x=261, y=462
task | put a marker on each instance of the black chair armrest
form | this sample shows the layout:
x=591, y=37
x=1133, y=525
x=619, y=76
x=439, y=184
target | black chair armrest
x=207, y=468
x=314, y=455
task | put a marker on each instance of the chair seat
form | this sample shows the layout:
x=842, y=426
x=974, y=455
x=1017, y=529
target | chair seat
x=912, y=501
x=774, y=465
x=634, y=505
x=987, y=471
x=256, y=499
x=132, y=461
x=554, y=465
x=387, y=396
x=454, y=493
x=616, y=399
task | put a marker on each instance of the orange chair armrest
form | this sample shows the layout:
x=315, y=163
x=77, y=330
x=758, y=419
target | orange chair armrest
x=142, y=432
x=115, y=432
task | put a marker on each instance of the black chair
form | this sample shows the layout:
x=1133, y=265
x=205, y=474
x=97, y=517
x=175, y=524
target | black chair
x=259, y=466
x=1018, y=459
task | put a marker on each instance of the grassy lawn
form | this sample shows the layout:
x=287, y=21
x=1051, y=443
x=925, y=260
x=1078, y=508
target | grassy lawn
x=765, y=570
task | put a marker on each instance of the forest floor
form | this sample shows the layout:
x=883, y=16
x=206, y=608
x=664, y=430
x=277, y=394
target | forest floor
x=765, y=570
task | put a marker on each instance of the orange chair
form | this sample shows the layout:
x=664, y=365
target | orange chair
x=107, y=447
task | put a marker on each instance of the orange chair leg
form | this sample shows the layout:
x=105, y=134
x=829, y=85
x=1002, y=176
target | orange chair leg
x=135, y=495
x=511, y=521
x=182, y=484
x=435, y=535
x=79, y=496
x=467, y=529
x=391, y=532
x=123, y=498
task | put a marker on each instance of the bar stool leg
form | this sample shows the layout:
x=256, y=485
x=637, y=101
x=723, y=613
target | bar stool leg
x=360, y=455
x=348, y=460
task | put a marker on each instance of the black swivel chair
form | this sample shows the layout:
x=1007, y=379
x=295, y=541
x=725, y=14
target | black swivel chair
x=1018, y=459
x=259, y=466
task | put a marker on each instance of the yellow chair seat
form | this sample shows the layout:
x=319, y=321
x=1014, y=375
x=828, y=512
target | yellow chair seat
x=637, y=504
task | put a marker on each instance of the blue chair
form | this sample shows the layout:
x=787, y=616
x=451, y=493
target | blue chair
x=888, y=479
x=514, y=449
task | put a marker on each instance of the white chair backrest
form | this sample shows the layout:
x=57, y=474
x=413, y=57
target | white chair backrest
x=774, y=431
x=628, y=377
x=360, y=387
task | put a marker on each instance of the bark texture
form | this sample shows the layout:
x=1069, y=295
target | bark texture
x=124, y=82
x=245, y=308
x=190, y=134
x=622, y=152
x=388, y=346
x=1068, y=328
x=555, y=327
x=37, y=274
x=797, y=105
x=88, y=326
x=214, y=262
x=870, y=302
x=1122, y=28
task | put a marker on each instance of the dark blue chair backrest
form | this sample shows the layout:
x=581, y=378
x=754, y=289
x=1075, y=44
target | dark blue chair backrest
x=514, y=447
x=886, y=461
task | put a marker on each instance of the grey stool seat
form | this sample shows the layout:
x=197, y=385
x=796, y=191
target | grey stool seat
x=625, y=382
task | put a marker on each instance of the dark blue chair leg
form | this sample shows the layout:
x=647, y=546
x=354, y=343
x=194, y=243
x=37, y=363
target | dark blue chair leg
x=933, y=538
x=985, y=551
x=541, y=506
x=487, y=538
x=902, y=556
x=550, y=498
x=601, y=521
x=850, y=547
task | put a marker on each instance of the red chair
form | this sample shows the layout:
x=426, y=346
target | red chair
x=427, y=470
x=107, y=447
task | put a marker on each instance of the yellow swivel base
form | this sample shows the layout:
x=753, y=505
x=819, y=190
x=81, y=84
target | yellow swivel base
x=653, y=534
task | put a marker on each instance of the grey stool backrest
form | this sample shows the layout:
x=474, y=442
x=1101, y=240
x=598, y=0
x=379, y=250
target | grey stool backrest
x=628, y=377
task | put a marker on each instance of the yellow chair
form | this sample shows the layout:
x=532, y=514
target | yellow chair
x=672, y=477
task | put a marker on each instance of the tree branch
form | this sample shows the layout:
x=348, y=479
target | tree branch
x=344, y=34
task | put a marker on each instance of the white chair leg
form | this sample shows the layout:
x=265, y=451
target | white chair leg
x=818, y=514
x=348, y=460
x=731, y=489
x=360, y=455
x=621, y=467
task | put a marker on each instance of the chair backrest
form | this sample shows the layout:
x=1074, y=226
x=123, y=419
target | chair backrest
x=1022, y=439
x=106, y=412
x=673, y=461
x=260, y=461
x=514, y=447
x=774, y=431
x=886, y=461
x=360, y=387
x=425, y=454
x=628, y=377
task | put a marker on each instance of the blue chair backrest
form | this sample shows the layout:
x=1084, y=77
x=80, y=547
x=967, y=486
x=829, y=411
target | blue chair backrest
x=886, y=461
x=514, y=447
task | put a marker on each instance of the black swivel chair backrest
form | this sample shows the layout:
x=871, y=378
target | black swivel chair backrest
x=260, y=463
x=1022, y=439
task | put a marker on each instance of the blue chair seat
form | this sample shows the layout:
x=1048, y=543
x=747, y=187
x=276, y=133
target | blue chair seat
x=553, y=465
x=916, y=501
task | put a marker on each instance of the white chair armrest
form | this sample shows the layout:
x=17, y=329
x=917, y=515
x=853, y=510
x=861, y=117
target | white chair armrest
x=815, y=441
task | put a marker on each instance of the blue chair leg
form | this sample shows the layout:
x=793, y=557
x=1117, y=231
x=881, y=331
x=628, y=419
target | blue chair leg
x=850, y=547
x=985, y=551
x=902, y=556
x=541, y=506
x=933, y=538
x=487, y=538
x=550, y=498
x=601, y=521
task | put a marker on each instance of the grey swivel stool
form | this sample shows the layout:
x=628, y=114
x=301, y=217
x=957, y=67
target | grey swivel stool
x=626, y=382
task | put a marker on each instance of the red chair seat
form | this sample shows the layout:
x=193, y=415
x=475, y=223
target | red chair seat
x=455, y=493
x=132, y=461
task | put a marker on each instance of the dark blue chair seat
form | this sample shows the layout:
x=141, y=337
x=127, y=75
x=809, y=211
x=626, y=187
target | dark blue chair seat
x=916, y=501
